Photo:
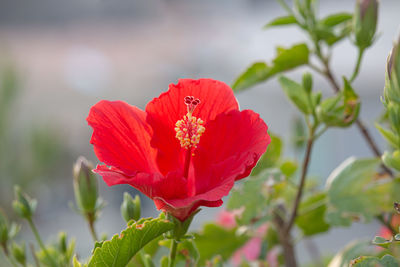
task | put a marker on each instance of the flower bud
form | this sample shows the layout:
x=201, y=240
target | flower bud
x=307, y=82
x=85, y=186
x=392, y=86
x=19, y=253
x=23, y=205
x=130, y=208
x=365, y=20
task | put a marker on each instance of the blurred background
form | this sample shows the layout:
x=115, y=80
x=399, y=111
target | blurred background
x=58, y=58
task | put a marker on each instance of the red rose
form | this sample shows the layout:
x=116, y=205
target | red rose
x=185, y=150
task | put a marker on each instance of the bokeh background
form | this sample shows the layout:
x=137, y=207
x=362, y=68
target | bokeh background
x=58, y=58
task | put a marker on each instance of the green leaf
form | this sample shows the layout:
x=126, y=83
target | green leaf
x=382, y=242
x=335, y=19
x=350, y=252
x=367, y=261
x=187, y=251
x=340, y=110
x=389, y=135
x=255, y=192
x=281, y=21
x=286, y=59
x=121, y=248
x=311, y=218
x=271, y=156
x=217, y=240
x=288, y=168
x=354, y=192
x=296, y=94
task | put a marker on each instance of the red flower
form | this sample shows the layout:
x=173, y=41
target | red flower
x=185, y=150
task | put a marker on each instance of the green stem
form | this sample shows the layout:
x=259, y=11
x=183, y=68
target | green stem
x=90, y=219
x=40, y=242
x=358, y=64
x=172, y=253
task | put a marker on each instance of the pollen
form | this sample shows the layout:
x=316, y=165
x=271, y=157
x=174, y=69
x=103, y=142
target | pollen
x=189, y=129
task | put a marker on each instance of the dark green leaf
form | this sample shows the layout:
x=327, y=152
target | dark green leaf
x=121, y=248
x=281, y=21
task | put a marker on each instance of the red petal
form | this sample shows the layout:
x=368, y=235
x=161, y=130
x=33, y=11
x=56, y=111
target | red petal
x=121, y=137
x=151, y=184
x=229, y=148
x=163, y=112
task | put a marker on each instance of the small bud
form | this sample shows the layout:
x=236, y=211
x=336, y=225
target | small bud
x=19, y=253
x=4, y=236
x=307, y=82
x=23, y=205
x=392, y=86
x=85, y=186
x=365, y=20
x=130, y=208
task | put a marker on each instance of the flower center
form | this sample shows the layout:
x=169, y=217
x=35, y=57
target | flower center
x=189, y=129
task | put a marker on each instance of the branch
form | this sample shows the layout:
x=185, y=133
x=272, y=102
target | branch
x=306, y=162
x=360, y=125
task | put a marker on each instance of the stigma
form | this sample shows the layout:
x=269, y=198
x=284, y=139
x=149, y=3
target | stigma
x=189, y=129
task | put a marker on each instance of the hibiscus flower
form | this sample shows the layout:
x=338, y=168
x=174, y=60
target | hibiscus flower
x=185, y=150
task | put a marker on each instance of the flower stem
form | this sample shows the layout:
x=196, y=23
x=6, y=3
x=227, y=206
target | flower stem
x=40, y=242
x=90, y=220
x=358, y=64
x=172, y=253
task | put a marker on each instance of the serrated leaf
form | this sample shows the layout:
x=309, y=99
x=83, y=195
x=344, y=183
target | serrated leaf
x=311, y=218
x=281, y=21
x=217, y=240
x=335, y=19
x=286, y=59
x=367, y=261
x=296, y=93
x=121, y=248
x=354, y=192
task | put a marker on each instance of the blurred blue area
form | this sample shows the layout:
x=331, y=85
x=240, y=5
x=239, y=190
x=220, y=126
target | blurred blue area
x=66, y=55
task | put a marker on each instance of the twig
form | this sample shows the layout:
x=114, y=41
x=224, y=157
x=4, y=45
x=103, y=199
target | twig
x=358, y=64
x=306, y=162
